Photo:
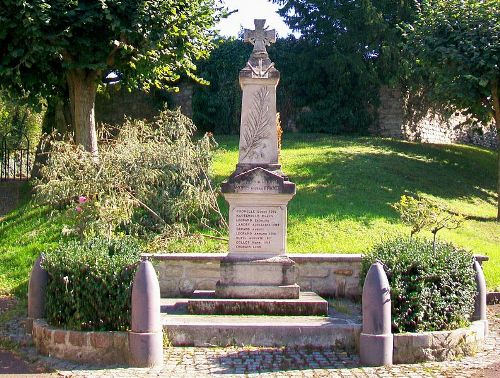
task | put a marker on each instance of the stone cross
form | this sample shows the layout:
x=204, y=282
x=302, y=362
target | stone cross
x=260, y=37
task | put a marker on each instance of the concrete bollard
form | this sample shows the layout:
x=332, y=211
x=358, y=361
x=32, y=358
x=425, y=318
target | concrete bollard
x=376, y=340
x=480, y=299
x=146, y=336
x=36, y=293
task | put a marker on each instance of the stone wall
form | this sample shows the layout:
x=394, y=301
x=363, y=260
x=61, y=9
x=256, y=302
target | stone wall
x=428, y=128
x=329, y=275
x=111, y=107
x=97, y=348
x=183, y=98
x=410, y=348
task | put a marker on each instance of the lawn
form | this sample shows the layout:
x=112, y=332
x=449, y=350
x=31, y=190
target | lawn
x=24, y=234
x=345, y=187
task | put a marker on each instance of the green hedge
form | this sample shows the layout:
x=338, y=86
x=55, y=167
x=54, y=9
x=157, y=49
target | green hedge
x=430, y=291
x=320, y=90
x=89, y=286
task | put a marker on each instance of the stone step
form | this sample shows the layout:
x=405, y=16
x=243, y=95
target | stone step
x=265, y=331
x=308, y=304
x=182, y=329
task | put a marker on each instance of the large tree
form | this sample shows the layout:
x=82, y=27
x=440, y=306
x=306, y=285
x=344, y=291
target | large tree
x=362, y=30
x=48, y=47
x=346, y=50
x=455, y=46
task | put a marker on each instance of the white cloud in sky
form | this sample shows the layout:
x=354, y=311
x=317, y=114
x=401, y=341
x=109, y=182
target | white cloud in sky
x=248, y=10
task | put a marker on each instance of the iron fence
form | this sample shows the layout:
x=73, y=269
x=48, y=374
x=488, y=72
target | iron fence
x=15, y=157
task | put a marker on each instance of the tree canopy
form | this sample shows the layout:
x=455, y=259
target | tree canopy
x=53, y=47
x=362, y=30
x=455, y=46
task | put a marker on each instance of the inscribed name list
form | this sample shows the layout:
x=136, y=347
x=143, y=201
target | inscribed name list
x=258, y=229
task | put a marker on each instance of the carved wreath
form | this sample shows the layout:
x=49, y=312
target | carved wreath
x=256, y=125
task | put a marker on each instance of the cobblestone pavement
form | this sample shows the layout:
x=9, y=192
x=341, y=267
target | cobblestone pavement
x=284, y=362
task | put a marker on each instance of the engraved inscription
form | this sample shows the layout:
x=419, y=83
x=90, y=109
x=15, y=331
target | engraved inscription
x=258, y=229
x=260, y=185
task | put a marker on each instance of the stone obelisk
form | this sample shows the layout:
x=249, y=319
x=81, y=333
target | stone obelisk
x=258, y=192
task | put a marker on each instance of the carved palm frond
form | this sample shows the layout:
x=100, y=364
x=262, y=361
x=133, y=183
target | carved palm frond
x=256, y=128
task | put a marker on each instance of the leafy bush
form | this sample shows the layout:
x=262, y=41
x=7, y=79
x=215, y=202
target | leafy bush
x=420, y=213
x=19, y=119
x=90, y=285
x=149, y=176
x=430, y=291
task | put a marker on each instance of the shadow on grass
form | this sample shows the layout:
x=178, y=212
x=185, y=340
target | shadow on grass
x=358, y=178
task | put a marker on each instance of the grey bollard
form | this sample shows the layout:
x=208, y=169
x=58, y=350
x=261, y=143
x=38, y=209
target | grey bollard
x=36, y=293
x=146, y=336
x=480, y=299
x=376, y=340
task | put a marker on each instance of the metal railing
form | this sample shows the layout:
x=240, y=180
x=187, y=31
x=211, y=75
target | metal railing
x=15, y=157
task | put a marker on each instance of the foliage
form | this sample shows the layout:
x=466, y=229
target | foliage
x=19, y=119
x=60, y=47
x=430, y=290
x=453, y=52
x=217, y=107
x=323, y=89
x=420, y=213
x=454, y=47
x=90, y=285
x=150, y=175
x=364, y=33
x=320, y=90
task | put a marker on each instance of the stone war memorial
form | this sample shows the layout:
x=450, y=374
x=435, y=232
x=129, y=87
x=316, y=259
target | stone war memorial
x=211, y=299
x=258, y=191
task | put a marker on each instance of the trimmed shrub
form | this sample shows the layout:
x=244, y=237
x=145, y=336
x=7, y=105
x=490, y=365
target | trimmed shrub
x=90, y=285
x=430, y=291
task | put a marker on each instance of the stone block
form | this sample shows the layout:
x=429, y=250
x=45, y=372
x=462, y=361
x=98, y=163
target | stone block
x=309, y=270
x=206, y=265
x=59, y=336
x=101, y=340
x=257, y=291
x=76, y=338
x=307, y=304
x=278, y=270
x=120, y=340
x=343, y=272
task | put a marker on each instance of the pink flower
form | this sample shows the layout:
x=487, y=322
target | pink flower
x=78, y=209
x=82, y=200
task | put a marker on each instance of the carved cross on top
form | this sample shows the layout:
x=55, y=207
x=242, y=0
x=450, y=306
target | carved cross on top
x=260, y=37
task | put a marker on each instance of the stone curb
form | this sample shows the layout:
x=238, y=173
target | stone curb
x=97, y=348
x=411, y=348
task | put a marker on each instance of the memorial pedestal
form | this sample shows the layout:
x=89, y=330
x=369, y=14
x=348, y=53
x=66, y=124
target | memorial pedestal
x=256, y=265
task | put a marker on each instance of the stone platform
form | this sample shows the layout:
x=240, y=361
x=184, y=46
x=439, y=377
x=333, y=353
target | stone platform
x=308, y=304
x=183, y=329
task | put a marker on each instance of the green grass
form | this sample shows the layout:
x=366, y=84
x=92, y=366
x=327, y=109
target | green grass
x=24, y=234
x=345, y=187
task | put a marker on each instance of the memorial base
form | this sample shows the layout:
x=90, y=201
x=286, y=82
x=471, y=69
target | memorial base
x=245, y=277
x=308, y=304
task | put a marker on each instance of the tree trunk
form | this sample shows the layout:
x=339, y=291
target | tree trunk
x=496, y=107
x=82, y=86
